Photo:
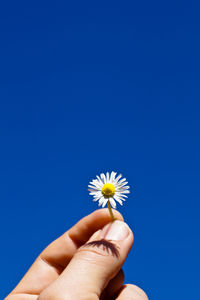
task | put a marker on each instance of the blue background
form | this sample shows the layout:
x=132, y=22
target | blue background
x=87, y=87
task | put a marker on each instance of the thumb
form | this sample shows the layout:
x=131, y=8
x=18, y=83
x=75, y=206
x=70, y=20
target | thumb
x=94, y=264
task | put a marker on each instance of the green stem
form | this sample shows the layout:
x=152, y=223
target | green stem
x=110, y=211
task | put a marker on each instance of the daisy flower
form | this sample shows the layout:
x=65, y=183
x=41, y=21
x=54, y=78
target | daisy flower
x=109, y=188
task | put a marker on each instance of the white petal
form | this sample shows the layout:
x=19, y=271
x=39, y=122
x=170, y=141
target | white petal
x=92, y=193
x=121, y=195
x=92, y=182
x=95, y=199
x=97, y=182
x=122, y=180
x=96, y=193
x=100, y=181
x=117, y=178
x=112, y=176
x=126, y=187
x=121, y=184
x=94, y=187
x=103, y=177
x=97, y=186
x=107, y=177
x=92, y=190
x=122, y=189
x=112, y=202
x=104, y=202
x=125, y=192
x=101, y=200
x=118, y=200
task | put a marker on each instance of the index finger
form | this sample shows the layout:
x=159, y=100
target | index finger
x=52, y=261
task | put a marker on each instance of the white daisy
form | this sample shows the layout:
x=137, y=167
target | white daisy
x=107, y=189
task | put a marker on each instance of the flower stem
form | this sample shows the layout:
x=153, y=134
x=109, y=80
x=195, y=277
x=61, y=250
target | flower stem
x=110, y=211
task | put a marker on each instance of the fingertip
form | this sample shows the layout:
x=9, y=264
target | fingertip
x=132, y=292
x=104, y=213
x=82, y=231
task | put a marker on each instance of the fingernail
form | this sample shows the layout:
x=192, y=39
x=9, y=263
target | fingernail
x=116, y=231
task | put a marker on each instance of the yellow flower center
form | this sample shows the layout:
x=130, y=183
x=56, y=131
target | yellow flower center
x=108, y=190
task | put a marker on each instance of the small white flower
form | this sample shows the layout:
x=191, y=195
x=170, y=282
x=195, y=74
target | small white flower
x=109, y=188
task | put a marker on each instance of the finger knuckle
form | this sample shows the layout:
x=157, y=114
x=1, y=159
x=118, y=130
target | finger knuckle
x=66, y=296
x=49, y=295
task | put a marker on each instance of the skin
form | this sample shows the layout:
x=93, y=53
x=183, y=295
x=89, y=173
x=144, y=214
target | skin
x=77, y=266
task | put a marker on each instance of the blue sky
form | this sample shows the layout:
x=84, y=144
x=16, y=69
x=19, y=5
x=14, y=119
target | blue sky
x=87, y=87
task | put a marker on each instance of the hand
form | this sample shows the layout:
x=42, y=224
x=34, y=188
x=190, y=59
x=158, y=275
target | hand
x=84, y=263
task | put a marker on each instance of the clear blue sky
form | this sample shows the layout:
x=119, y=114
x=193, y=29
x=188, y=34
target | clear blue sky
x=91, y=86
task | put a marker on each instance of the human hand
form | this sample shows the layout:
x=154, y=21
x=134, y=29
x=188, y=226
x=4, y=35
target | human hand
x=84, y=263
